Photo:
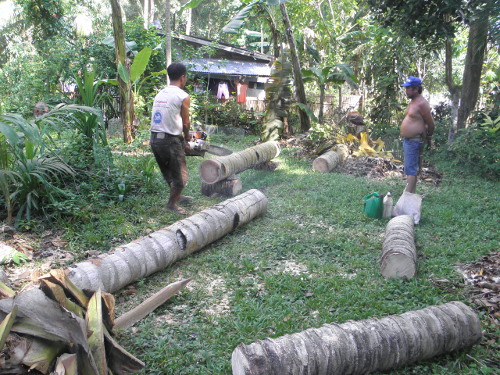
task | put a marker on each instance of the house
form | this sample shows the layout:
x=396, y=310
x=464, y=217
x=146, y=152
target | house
x=230, y=73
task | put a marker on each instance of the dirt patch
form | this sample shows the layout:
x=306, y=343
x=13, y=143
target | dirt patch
x=42, y=253
x=483, y=277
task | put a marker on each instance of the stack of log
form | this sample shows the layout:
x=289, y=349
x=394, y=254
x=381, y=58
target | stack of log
x=219, y=174
x=331, y=159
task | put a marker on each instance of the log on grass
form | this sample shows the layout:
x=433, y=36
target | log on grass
x=361, y=347
x=329, y=160
x=128, y=263
x=217, y=169
x=229, y=187
x=399, y=254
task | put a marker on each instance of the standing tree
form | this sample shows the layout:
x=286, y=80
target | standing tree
x=238, y=20
x=305, y=122
x=168, y=37
x=127, y=113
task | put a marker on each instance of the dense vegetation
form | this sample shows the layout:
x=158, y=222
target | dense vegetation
x=312, y=258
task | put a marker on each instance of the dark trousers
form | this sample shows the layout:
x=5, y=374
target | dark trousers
x=169, y=154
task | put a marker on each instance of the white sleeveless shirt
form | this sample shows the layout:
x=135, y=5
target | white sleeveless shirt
x=166, y=112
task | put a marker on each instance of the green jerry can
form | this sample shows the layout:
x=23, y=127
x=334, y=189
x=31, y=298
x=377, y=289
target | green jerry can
x=374, y=206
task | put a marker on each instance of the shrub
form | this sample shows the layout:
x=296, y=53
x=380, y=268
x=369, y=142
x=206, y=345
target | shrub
x=477, y=148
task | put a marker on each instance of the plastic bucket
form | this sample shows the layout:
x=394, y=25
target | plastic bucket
x=374, y=206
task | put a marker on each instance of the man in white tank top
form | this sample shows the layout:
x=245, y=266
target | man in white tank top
x=170, y=134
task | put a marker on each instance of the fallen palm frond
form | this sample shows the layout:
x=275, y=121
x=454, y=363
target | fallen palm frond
x=45, y=328
x=363, y=146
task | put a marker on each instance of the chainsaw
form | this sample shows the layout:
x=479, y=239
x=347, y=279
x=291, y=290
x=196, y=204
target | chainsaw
x=199, y=145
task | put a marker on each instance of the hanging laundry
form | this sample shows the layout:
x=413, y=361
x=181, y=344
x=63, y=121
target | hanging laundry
x=241, y=90
x=223, y=91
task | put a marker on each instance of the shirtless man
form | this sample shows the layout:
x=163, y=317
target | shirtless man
x=417, y=126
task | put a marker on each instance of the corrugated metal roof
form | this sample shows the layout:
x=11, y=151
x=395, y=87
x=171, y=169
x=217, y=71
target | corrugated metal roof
x=234, y=67
x=224, y=46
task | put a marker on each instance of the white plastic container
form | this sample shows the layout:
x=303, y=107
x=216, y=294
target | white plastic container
x=388, y=205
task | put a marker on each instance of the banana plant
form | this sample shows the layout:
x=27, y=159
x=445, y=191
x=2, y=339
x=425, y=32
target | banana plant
x=137, y=69
x=336, y=74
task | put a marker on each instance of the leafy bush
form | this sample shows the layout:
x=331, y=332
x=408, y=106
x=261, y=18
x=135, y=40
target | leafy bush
x=477, y=148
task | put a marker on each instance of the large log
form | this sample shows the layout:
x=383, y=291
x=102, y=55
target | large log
x=362, y=347
x=229, y=187
x=217, y=169
x=399, y=254
x=128, y=263
x=329, y=160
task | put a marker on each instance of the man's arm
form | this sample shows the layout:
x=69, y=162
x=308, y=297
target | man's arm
x=425, y=111
x=186, y=123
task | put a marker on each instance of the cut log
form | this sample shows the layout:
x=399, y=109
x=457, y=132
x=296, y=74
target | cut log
x=361, y=347
x=329, y=160
x=131, y=317
x=217, y=169
x=128, y=263
x=229, y=187
x=399, y=254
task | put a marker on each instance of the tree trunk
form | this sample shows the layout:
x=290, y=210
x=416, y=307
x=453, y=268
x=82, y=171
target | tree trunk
x=189, y=20
x=453, y=89
x=147, y=255
x=168, y=38
x=321, y=103
x=329, y=160
x=229, y=187
x=305, y=122
x=126, y=99
x=399, y=254
x=364, y=346
x=217, y=169
x=478, y=34
x=145, y=13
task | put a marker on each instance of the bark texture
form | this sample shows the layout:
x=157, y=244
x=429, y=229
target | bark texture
x=399, y=254
x=144, y=256
x=361, y=347
x=127, y=113
x=329, y=160
x=217, y=169
x=229, y=187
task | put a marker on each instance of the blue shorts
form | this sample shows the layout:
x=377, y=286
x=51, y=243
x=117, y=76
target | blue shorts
x=411, y=150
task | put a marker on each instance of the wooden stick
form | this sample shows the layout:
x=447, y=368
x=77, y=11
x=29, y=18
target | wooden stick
x=137, y=313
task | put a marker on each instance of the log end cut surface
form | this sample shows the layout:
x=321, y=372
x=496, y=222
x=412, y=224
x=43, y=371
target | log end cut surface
x=210, y=171
x=321, y=165
x=398, y=265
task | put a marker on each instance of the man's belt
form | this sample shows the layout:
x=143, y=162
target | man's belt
x=162, y=135
x=416, y=138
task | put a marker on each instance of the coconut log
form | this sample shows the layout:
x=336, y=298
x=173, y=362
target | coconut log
x=217, y=169
x=229, y=187
x=361, y=347
x=399, y=254
x=128, y=263
x=329, y=160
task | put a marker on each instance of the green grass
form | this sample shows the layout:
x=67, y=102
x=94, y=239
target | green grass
x=311, y=259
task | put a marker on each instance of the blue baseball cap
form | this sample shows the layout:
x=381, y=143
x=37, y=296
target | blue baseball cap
x=412, y=81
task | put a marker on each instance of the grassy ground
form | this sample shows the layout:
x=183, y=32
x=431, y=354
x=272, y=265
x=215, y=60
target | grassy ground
x=311, y=259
